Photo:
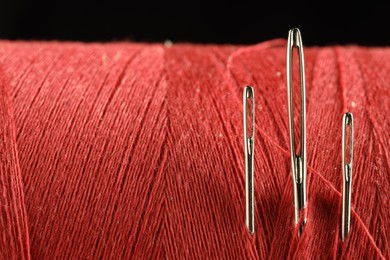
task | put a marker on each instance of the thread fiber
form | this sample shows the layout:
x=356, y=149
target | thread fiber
x=135, y=151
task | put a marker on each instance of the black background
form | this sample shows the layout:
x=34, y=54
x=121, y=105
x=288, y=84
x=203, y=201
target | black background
x=242, y=23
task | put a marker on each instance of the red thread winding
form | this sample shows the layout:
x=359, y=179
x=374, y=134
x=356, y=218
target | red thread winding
x=136, y=151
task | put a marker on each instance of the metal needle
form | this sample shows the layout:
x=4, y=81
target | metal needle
x=249, y=138
x=347, y=176
x=298, y=161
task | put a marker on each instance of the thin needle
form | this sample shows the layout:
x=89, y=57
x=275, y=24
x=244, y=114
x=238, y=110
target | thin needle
x=347, y=176
x=249, y=139
x=298, y=161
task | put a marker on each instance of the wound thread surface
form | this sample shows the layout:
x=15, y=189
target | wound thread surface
x=136, y=151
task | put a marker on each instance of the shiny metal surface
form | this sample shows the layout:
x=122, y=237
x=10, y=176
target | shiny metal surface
x=298, y=161
x=347, y=175
x=249, y=138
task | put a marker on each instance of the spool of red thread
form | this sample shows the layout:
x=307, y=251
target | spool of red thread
x=123, y=150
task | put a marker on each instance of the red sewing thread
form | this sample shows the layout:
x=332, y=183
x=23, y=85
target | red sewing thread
x=135, y=151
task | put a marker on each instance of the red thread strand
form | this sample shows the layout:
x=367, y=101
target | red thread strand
x=136, y=151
